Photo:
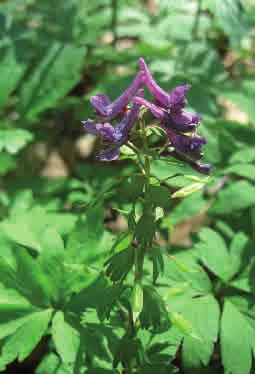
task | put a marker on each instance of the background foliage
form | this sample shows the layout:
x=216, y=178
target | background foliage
x=65, y=256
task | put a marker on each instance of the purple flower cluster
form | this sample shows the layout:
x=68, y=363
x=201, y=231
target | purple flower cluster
x=169, y=108
x=116, y=136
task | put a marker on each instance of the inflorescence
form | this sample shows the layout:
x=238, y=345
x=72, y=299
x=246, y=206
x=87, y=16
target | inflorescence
x=179, y=125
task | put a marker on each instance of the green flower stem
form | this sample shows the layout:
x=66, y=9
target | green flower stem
x=148, y=209
x=133, y=147
x=137, y=152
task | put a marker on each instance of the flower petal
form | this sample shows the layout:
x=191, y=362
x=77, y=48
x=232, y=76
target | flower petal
x=203, y=168
x=110, y=155
x=100, y=102
x=188, y=145
x=104, y=130
x=110, y=110
x=90, y=127
x=122, y=131
x=158, y=112
x=177, y=95
x=167, y=119
x=182, y=117
x=161, y=95
x=168, y=100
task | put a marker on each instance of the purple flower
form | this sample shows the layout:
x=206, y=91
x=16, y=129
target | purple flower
x=109, y=110
x=114, y=136
x=175, y=97
x=189, y=145
x=179, y=124
x=183, y=117
x=109, y=155
x=188, y=149
x=178, y=120
x=173, y=103
x=201, y=168
x=169, y=108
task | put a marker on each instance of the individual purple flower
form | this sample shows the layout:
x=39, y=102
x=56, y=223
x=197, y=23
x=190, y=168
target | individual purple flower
x=173, y=102
x=201, y=168
x=109, y=111
x=183, y=117
x=114, y=136
x=109, y=155
x=180, y=121
x=175, y=97
x=188, y=148
x=188, y=145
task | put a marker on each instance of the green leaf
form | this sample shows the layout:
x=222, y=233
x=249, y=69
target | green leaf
x=187, y=208
x=160, y=196
x=225, y=229
x=119, y=265
x=88, y=240
x=100, y=295
x=52, y=241
x=181, y=323
x=243, y=156
x=237, y=247
x=14, y=311
x=133, y=189
x=28, y=228
x=22, y=202
x=56, y=74
x=154, y=310
x=182, y=269
x=10, y=74
x=66, y=338
x=242, y=170
x=241, y=95
x=157, y=261
x=137, y=300
x=51, y=263
x=213, y=253
x=168, y=342
x=167, y=167
x=235, y=197
x=26, y=277
x=203, y=314
x=130, y=350
x=145, y=229
x=236, y=344
x=108, y=297
x=13, y=140
x=64, y=369
x=48, y=365
x=230, y=17
x=11, y=300
x=7, y=163
x=26, y=338
x=62, y=222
